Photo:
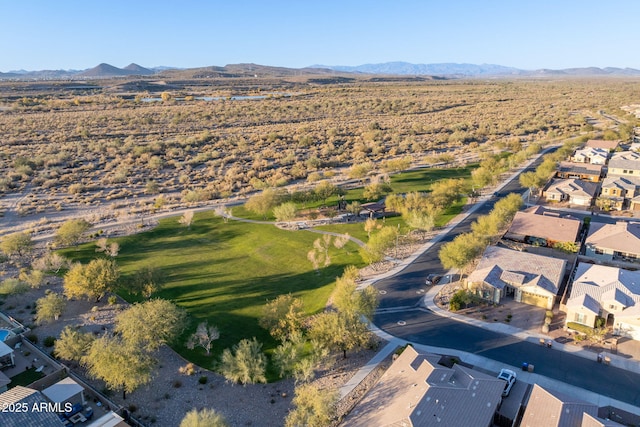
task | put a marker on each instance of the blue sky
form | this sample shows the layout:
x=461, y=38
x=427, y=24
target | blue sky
x=527, y=34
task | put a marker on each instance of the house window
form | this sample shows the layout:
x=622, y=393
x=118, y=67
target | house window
x=581, y=318
x=625, y=171
x=612, y=307
x=599, y=251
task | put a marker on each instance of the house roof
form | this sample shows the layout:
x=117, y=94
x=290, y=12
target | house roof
x=580, y=168
x=553, y=409
x=530, y=269
x=572, y=187
x=589, y=420
x=416, y=391
x=621, y=182
x=623, y=236
x=548, y=227
x=110, y=419
x=29, y=397
x=63, y=390
x=593, y=153
x=625, y=160
x=603, y=284
x=601, y=143
x=585, y=301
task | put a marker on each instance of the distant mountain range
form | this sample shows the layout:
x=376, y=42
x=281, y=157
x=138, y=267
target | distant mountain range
x=450, y=70
x=473, y=70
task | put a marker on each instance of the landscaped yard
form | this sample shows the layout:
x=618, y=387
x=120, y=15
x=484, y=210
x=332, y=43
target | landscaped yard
x=225, y=272
x=25, y=378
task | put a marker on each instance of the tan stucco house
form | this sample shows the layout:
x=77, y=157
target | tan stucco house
x=525, y=277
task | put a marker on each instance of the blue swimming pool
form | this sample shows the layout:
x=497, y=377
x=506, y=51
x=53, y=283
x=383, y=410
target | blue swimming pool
x=4, y=333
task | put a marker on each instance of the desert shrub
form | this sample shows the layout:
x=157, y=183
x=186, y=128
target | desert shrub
x=33, y=338
x=49, y=341
x=579, y=327
x=188, y=369
x=203, y=379
x=13, y=287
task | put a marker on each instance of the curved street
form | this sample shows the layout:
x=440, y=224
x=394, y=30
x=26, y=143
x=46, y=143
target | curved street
x=401, y=316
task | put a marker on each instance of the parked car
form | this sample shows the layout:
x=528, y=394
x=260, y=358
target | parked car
x=433, y=279
x=509, y=377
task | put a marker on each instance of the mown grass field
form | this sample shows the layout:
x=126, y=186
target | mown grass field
x=225, y=272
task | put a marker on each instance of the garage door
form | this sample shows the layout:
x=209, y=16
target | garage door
x=629, y=331
x=533, y=299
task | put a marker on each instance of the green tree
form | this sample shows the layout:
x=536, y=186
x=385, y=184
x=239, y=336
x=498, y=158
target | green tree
x=376, y=190
x=151, y=324
x=354, y=208
x=462, y=250
x=120, y=364
x=324, y=190
x=262, y=203
x=49, y=307
x=16, y=244
x=339, y=331
x=34, y=278
x=531, y=180
x=285, y=211
x=349, y=300
x=245, y=364
x=147, y=281
x=314, y=407
x=71, y=231
x=92, y=280
x=73, y=344
x=420, y=220
x=378, y=243
x=283, y=317
x=204, y=418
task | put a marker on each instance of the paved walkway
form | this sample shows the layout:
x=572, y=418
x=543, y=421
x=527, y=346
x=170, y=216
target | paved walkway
x=480, y=362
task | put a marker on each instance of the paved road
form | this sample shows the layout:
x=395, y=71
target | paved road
x=405, y=289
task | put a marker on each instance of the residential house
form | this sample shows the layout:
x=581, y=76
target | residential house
x=625, y=163
x=541, y=227
x=614, y=242
x=593, y=155
x=620, y=190
x=550, y=408
x=528, y=278
x=601, y=143
x=634, y=204
x=417, y=391
x=610, y=293
x=574, y=191
x=23, y=397
x=584, y=171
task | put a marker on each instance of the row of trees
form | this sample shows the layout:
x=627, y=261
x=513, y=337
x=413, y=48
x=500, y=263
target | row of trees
x=124, y=360
x=468, y=246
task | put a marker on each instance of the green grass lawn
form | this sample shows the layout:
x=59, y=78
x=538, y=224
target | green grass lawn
x=225, y=272
x=404, y=182
x=25, y=378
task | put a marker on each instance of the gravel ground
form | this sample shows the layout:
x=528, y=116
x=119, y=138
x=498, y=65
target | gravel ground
x=170, y=395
